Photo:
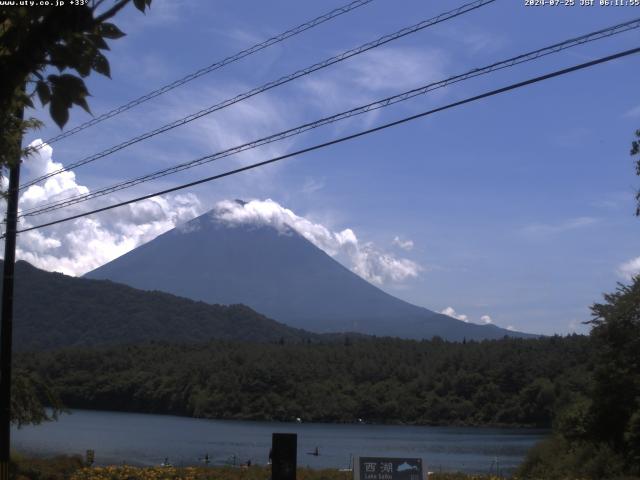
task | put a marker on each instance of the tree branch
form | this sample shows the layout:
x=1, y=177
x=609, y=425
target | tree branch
x=111, y=12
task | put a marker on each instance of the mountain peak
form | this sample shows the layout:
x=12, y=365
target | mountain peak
x=251, y=253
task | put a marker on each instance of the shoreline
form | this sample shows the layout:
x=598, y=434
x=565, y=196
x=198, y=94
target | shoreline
x=497, y=426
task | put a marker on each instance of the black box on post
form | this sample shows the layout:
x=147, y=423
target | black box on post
x=284, y=456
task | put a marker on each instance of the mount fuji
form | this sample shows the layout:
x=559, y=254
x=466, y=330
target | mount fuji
x=278, y=272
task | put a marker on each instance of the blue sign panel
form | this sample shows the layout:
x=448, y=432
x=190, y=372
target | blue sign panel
x=386, y=468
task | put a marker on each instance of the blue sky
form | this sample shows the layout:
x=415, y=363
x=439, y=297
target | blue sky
x=518, y=207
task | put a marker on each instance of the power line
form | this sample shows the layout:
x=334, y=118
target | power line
x=491, y=93
x=268, y=86
x=210, y=68
x=525, y=57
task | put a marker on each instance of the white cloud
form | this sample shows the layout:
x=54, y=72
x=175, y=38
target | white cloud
x=542, y=229
x=633, y=112
x=452, y=313
x=246, y=121
x=81, y=245
x=403, y=244
x=378, y=72
x=483, y=41
x=396, y=68
x=484, y=319
x=311, y=185
x=475, y=41
x=511, y=328
x=575, y=326
x=364, y=259
x=630, y=269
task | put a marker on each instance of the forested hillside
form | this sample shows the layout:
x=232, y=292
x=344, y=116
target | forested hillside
x=54, y=310
x=503, y=382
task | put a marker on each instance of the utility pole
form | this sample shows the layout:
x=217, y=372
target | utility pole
x=6, y=327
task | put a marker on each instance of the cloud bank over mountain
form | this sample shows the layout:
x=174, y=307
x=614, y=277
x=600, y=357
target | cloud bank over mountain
x=365, y=259
x=82, y=245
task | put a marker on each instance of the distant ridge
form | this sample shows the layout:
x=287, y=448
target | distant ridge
x=54, y=310
x=281, y=274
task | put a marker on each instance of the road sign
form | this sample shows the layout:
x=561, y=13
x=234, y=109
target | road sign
x=387, y=468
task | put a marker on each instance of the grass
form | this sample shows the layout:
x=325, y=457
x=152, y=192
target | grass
x=73, y=468
x=227, y=473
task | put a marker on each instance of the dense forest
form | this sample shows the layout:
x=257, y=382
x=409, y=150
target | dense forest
x=498, y=382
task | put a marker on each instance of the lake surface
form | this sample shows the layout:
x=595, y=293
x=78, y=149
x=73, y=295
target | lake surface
x=142, y=439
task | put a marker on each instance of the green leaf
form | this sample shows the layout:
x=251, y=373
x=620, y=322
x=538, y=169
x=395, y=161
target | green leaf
x=101, y=65
x=82, y=101
x=69, y=86
x=53, y=79
x=98, y=41
x=43, y=91
x=83, y=66
x=66, y=90
x=140, y=4
x=59, y=111
x=81, y=53
x=59, y=56
x=109, y=30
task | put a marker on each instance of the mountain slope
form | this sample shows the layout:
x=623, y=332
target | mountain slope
x=53, y=310
x=278, y=273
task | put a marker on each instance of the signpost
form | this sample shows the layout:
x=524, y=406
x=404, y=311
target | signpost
x=387, y=468
x=284, y=456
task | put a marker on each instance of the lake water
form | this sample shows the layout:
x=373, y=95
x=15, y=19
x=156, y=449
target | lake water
x=142, y=439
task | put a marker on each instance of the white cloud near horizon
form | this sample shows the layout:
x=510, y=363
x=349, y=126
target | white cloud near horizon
x=577, y=326
x=81, y=245
x=364, y=259
x=630, y=269
x=450, y=311
x=484, y=319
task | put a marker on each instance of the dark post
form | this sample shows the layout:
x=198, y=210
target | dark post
x=7, y=319
x=284, y=454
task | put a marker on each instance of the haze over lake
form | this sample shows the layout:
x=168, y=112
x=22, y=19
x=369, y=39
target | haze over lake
x=144, y=439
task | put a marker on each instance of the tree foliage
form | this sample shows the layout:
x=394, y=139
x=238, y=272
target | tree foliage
x=635, y=151
x=615, y=406
x=598, y=434
x=47, y=51
x=505, y=382
x=32, y=399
